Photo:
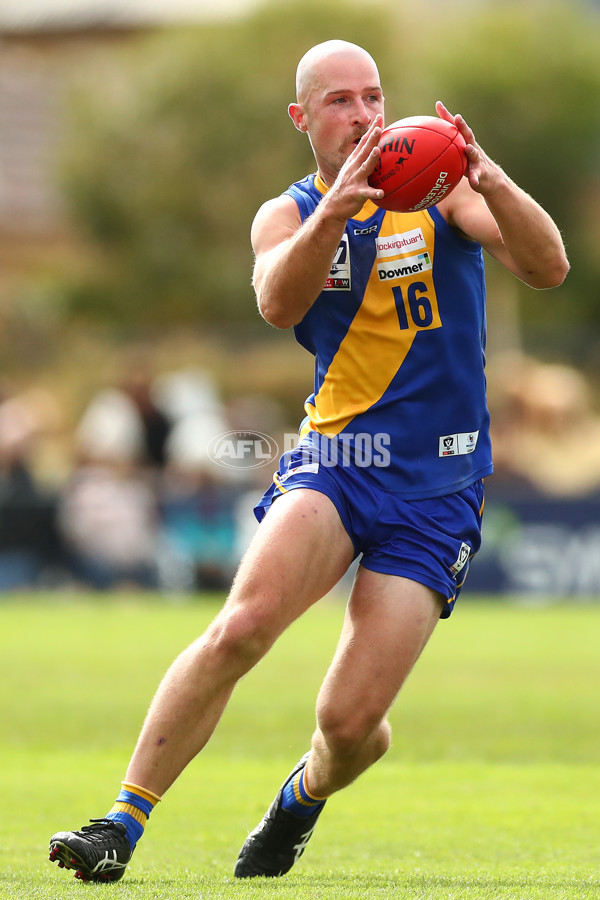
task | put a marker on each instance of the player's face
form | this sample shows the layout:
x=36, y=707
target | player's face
x=345, y=98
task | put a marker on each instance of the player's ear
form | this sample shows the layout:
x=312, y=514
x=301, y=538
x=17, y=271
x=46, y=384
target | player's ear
x=297, y=115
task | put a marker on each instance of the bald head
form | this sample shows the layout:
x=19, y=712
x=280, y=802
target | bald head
x=338, y=97
x=323, y=57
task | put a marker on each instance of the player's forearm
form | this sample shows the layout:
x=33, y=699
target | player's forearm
x=529, y=235
x=293, y=274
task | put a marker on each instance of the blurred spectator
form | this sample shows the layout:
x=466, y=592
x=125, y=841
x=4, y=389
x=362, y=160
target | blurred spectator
x=190, y=400
x=28, y=536
x=545, y=431
x=199, y=530
x=108, y=512
x=138, y=384
x=145, y=505
x=108, y=520
x=110, y=430
x=199, y=527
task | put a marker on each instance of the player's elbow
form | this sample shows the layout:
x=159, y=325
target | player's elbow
x=560, y=269
x=276, y=313
x=275, y=317
x=551, y=274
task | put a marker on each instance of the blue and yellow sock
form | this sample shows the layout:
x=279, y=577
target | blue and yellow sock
x=133, y=807
x=297, y=799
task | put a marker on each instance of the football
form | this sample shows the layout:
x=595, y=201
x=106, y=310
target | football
x=422, y=159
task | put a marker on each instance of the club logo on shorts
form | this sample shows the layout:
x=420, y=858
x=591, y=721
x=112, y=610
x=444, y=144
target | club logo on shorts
x=463, y=558
x=458, y=444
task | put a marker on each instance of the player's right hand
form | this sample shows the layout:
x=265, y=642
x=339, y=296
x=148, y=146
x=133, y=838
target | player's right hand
x=351, y=189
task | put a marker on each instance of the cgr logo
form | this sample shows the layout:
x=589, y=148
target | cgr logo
x=243, y=449
x=370, y=230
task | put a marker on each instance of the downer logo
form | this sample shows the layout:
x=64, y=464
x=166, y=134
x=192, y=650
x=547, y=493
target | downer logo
x=400, y=268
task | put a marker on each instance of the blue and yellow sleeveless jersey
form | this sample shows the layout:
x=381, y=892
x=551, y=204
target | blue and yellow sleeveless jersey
x=398, y=335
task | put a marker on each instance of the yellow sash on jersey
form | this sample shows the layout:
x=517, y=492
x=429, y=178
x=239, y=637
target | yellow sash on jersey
x=381, y=333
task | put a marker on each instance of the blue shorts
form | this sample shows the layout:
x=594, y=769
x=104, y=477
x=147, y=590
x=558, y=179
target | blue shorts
x=430, y=541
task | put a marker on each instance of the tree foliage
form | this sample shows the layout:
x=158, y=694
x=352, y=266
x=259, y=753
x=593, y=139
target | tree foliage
x=166, y=172
x=167, y=165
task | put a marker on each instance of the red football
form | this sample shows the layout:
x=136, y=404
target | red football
x=422, y=160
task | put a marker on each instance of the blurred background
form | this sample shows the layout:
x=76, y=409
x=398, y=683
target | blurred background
x=137, y=140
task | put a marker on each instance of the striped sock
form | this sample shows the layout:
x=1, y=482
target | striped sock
x=297, y=799
x=132, y=807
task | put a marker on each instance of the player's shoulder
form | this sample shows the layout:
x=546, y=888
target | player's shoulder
x=276, y=220
x=298, y=201
x=283, y=205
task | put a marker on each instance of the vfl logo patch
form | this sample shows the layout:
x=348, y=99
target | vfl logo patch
x=402, y=268
x=396, y=244
x=463, y=558
x=339, y=274
x=458, y=444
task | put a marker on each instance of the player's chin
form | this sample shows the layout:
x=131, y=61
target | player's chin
x=347, y=150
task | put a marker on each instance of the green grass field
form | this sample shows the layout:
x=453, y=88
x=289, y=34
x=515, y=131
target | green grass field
x=491, y=788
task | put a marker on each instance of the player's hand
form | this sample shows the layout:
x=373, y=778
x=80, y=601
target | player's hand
x=483, y=174
x=351, y=188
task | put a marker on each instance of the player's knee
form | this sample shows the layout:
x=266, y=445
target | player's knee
x=347, y=733
x=242, y=635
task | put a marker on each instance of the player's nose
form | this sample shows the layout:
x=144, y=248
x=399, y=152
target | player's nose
x=362, y=115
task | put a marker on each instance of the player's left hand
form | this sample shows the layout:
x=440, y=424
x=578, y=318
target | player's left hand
x=483, y=174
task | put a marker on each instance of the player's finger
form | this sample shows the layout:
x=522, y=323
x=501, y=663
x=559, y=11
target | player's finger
x=372, y=159
x=373, y=132
x=443, y=112
x=374, y=194
x=464, y=129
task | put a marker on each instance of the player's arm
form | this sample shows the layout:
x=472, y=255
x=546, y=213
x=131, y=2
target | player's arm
x=488, y=207
x=293, y=258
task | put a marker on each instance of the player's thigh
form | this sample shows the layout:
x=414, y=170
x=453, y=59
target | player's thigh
x=388, y=621
x=298, y=554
